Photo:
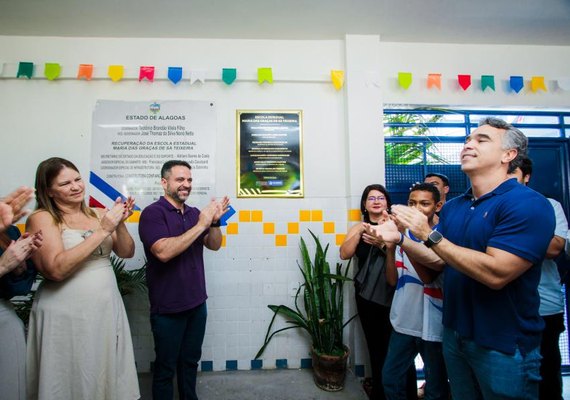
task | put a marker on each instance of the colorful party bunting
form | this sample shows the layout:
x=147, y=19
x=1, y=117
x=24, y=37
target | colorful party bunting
x=264, y=75
x=516, y=83
x=175, y=74
x=537, y=83
x=337, y=78
x=405, y=79
x=464, y=81
x=52, y=71
x=197, y=75
x=434, y=80
x=146, y=73
x=85, y=71
x=487, y=81
x=563, y=83
x=229, y=75
x=25, y=69
x=116, y=72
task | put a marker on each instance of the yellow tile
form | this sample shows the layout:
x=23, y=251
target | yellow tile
x=223, y=240
x=280, y=240
x=293, y=228
x=244, y=216
x=232, y=228
x=256, y=216
x=328, y=227
x=135, y=217
x=316, y=215
x=269, y=228
x=340, y=238
x=354, y=215
x=305, y=215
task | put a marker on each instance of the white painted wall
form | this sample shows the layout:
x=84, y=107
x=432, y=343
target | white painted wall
x=342, y=143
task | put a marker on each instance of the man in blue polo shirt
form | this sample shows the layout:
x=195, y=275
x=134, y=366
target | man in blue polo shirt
x=491, y=240
x=173, y=235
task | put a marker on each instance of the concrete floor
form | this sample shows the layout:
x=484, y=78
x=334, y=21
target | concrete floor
x=282, y=384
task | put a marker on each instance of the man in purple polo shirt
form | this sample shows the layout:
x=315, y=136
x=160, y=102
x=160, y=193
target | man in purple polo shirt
x=174, y=235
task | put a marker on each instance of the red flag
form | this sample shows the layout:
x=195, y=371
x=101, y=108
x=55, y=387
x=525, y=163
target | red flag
x=146, y=73
x=464, y=81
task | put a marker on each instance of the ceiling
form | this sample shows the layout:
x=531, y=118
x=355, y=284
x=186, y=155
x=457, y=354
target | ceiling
x=531, y=22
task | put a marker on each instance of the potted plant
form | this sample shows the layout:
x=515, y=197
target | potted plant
x=322, y=316
x=128, y=281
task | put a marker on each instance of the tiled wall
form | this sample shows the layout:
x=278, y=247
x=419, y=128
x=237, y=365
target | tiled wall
x=256, y=266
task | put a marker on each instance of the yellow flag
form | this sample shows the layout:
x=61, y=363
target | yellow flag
x=405, y=79
x=537, y=83
x=264, y=75
x=337, y=78
x=116, y=72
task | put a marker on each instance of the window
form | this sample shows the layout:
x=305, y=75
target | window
x=419, y=141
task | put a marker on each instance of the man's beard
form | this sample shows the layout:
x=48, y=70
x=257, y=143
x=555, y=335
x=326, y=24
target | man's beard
x=174, y=195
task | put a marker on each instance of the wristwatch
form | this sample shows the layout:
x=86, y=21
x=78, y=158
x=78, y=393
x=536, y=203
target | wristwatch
x=434, y=237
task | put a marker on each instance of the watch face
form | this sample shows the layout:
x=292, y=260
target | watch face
x=435, y=237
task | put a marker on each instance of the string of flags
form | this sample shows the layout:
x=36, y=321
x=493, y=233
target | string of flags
x=516, y=82
x=116, y=73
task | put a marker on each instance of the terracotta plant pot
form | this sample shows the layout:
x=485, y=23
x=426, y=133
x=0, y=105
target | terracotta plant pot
x=329, y=371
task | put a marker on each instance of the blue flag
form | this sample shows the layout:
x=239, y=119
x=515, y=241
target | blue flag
x=175, y=74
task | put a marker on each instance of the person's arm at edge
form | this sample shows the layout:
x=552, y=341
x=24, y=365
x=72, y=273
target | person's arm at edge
x=391, y=271
x=350, y=242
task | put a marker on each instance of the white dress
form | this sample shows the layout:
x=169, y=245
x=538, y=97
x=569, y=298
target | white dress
x=79, y=340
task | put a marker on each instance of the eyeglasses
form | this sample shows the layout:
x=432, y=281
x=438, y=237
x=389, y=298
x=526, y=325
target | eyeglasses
x=377, y=198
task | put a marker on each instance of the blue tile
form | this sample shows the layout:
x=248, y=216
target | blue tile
x=281, y=363
x=256, y=364
x=359, y=371
x=207, y=366
x=231, y=365
x=306, y=363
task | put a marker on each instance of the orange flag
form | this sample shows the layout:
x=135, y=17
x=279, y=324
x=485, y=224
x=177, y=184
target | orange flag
x=434, y=80
x=85, y=71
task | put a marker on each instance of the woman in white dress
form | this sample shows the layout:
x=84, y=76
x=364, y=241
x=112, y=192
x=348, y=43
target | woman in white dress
x=79, y=341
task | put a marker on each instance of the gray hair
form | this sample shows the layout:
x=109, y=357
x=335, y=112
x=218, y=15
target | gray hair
x=513, y=139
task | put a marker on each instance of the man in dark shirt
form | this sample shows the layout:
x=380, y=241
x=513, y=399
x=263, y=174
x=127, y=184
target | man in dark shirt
x=173, y=235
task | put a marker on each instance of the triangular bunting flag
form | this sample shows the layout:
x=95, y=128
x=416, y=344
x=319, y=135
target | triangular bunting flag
x=197, y=75
x=464, y=81
x=175, y=74
x=372, y=78
x=337, y=78
x=264, y=75
x=52, y=71
x=405, y=79
x=229, y=75
x=537, y=83
x=116, y=72
x=434, y=80
x=517, y=83
x=146, y=73
x=487, y=81
x=563, y=83
x=25, y=69
x=85, y=71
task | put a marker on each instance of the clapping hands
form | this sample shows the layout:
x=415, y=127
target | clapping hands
x=12, y=206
